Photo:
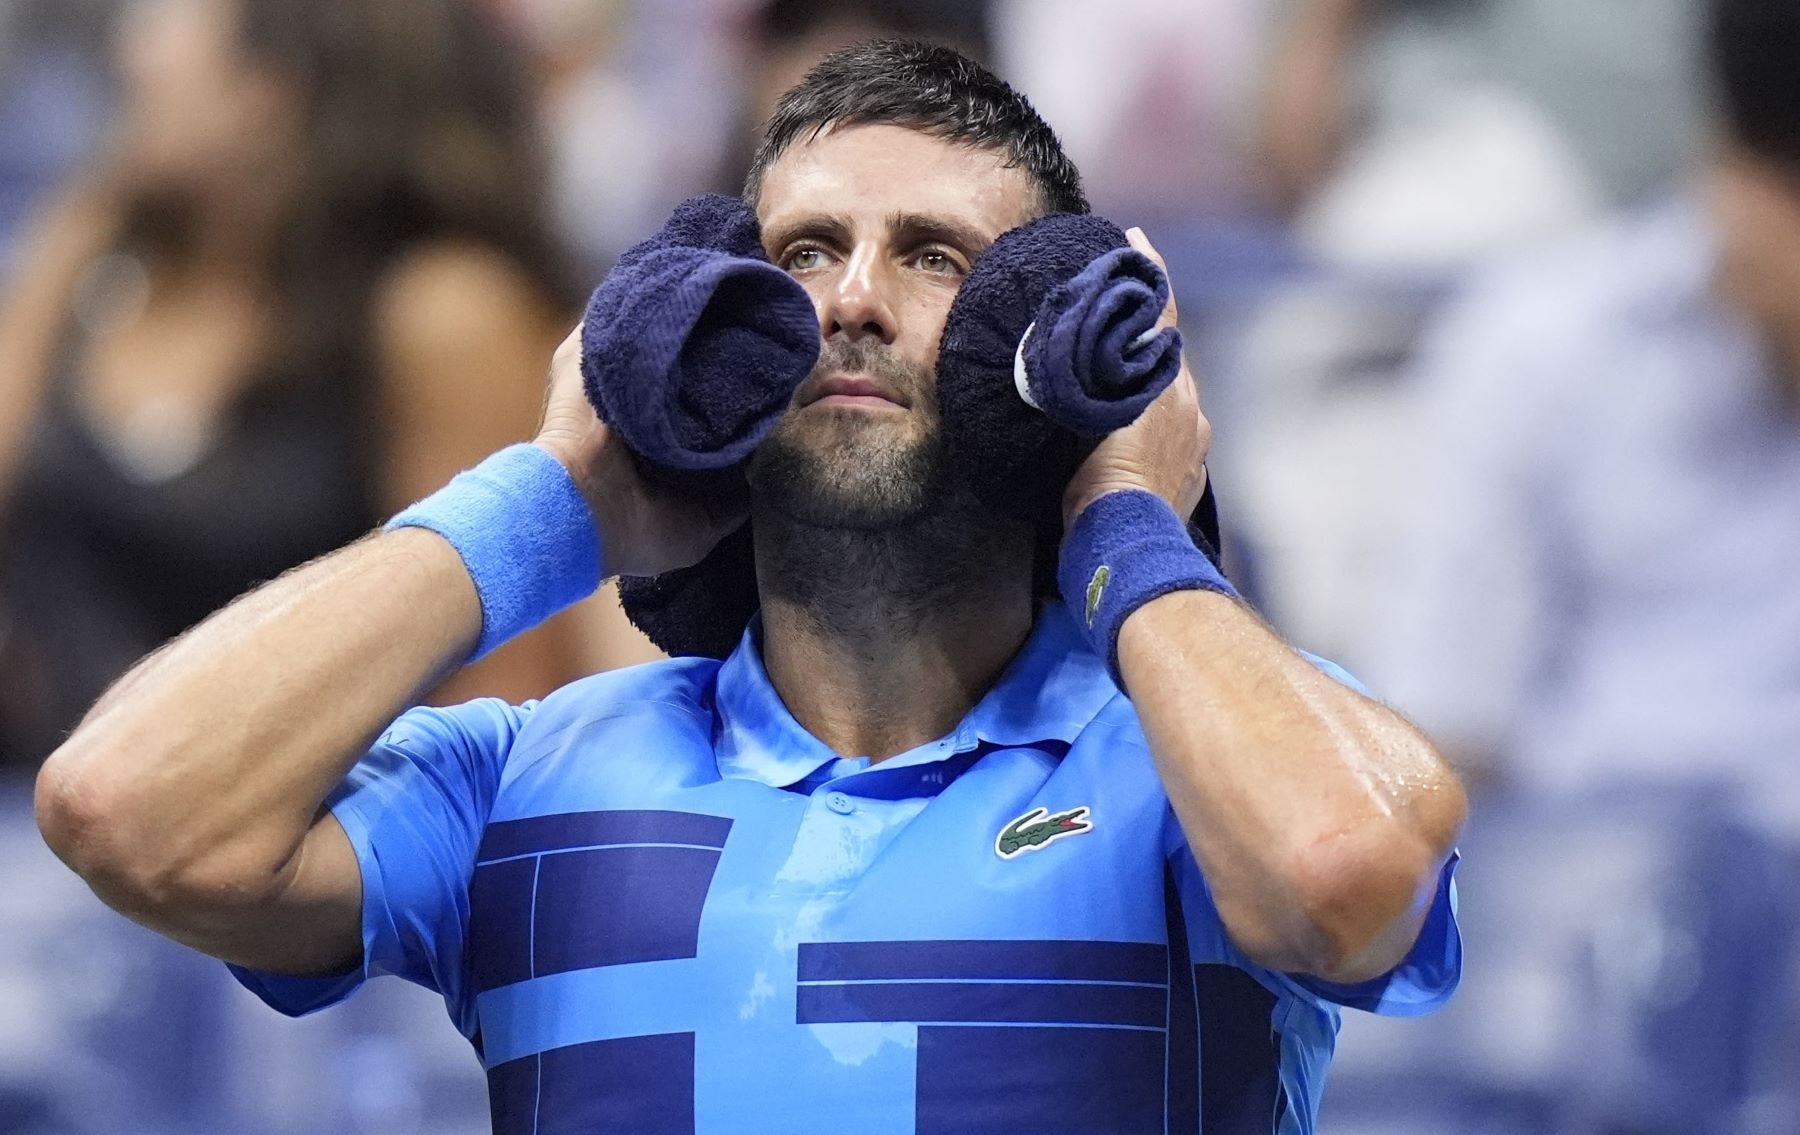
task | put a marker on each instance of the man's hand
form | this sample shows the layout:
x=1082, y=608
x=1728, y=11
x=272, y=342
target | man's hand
x=644, y=529
x=1164, y=451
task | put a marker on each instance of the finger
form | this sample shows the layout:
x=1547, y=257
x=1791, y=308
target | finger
x=1137, y=239
x=1142, y=243
x=567, y=355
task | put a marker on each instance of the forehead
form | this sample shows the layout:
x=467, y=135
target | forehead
x=874, y=172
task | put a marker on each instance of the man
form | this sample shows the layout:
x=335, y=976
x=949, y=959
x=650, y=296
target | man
x=907, y=861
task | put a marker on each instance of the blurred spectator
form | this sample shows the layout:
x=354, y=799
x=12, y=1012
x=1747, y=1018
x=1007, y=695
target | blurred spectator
x=1393, y=138
x=1598, y=584
x=1413, y=142
x=1415, y=132
x=309, y=284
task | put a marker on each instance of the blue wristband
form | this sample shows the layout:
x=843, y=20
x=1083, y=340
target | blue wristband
x=525, y=533
x=1124, y=550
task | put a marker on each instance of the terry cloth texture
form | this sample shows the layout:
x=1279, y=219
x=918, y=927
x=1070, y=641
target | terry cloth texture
x=699, y=611
x=1092, y=362
x=694, y=344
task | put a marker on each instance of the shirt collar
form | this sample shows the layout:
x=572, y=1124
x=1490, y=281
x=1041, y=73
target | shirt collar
x=1050, y=691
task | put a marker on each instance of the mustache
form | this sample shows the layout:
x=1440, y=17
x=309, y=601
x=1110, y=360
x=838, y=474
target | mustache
x=871, y=357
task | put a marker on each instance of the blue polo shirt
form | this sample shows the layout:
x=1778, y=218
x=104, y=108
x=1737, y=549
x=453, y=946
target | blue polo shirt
x=656, y=904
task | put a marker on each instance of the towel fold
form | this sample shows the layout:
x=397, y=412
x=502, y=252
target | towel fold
x=699, y=611
x=1050, y=345
x=694, y=344
x=1094, y=359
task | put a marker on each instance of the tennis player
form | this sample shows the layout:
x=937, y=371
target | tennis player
x=921, y=856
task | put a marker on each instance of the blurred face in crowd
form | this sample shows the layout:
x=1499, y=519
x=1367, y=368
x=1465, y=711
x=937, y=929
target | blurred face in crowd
x=196, y=110
x=880, y=224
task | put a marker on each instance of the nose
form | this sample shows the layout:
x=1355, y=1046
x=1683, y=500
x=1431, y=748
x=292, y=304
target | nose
x=857, y=304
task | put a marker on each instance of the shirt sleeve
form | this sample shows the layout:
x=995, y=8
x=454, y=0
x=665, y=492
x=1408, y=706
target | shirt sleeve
x=1421, y=982
x=414, y=808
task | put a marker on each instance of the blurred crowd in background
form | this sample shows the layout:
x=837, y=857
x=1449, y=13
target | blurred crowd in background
x=1496, y=306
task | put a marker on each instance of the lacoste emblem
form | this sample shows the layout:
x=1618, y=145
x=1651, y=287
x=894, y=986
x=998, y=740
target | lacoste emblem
x=1097, y=588
x=1037, y=829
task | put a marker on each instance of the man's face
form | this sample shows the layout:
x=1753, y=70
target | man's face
x=880, y=224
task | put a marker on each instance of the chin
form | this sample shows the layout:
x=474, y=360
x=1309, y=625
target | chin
x=835, y=471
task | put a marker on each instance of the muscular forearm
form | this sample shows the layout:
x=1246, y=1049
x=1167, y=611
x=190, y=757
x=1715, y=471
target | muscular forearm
x=190, y=796
x=203, y=769
x=1319, y=817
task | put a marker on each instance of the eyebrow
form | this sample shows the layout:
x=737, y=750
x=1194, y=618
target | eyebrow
x=903, y=227
x=828, y=229
x=923, y=228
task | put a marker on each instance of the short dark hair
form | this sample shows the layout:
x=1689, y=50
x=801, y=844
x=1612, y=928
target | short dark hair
x=1754, y=49
x=932, y=89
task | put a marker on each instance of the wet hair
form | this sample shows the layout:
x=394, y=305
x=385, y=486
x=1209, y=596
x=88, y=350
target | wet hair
x=1754, y=52
x=929, y=88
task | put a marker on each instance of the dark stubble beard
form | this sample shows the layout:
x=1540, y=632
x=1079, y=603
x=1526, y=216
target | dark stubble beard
x=857, y=522
x=857, y=470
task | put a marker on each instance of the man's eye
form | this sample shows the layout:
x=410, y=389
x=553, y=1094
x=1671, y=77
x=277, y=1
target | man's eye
x=804, y=259
x=933, y=260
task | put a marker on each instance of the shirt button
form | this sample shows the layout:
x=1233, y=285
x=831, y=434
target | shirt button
x=840, y=803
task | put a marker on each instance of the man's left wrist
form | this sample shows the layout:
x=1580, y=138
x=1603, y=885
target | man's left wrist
x=1123, y=550
x=1079, y=499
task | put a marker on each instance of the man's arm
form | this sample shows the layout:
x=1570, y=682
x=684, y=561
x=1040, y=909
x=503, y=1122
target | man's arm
x=1321, y=819
x=190, y=798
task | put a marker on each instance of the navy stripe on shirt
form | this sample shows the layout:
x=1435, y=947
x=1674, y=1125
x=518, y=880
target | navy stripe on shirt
x=1004, y=1002
x=507, y=838
x=1145, y=962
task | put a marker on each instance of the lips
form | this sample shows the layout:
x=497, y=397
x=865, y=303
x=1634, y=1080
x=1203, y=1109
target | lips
x=852, y=388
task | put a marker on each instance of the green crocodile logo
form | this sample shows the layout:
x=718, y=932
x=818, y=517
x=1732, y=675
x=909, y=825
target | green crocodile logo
x=1097, y=588
x=1037, y=829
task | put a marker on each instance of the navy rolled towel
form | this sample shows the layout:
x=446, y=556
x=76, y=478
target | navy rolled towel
x=699, y=611
x=1050, y=345
x=694, y=344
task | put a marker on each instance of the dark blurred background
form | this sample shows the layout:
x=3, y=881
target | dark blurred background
x=1496, y=305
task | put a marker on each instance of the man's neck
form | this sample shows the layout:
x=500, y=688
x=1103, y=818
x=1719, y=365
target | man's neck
x=879, y=642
